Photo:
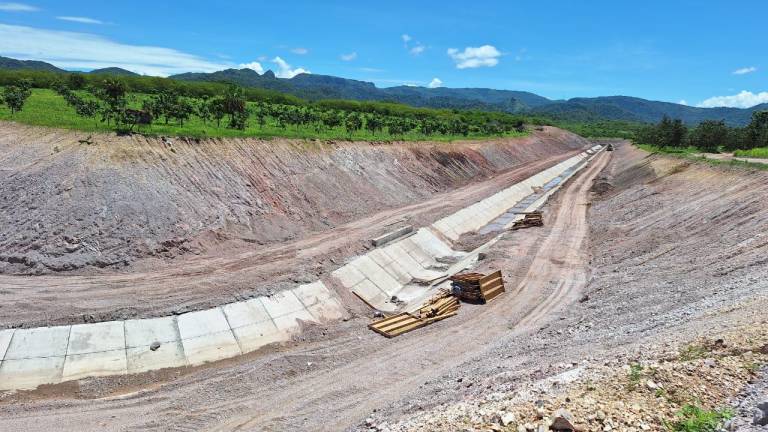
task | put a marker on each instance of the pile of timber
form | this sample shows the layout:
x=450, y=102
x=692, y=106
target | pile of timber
x=531, y=219
x=477, y=287
x=442, y=306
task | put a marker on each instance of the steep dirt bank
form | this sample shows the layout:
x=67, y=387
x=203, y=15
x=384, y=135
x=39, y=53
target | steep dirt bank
x=71, y=206
x=329, y=198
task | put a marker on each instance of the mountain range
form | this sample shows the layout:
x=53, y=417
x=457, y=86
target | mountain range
x=316, y=87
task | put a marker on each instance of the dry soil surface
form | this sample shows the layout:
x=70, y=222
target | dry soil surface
x=668, y=253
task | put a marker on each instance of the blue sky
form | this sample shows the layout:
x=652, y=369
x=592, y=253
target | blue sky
x=674, y=51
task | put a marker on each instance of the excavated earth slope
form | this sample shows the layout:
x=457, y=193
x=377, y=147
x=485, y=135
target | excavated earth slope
x=133, y=226
x=71, y=205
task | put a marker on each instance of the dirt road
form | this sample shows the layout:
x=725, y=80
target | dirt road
x=335, y=379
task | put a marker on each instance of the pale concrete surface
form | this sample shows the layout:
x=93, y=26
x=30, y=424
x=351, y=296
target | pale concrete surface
x=49, y=355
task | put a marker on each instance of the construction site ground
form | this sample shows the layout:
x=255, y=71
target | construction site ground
x=639, y=258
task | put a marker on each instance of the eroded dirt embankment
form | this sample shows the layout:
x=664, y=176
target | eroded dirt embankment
x=187, y=225
x=68, y=206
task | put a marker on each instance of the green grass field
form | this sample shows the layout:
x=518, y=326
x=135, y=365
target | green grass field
x=760, y=152
x=692, y=153
x=46, y=108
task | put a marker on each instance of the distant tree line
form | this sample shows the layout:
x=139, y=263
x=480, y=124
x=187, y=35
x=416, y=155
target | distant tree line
x=709, y=135
x=114, y=101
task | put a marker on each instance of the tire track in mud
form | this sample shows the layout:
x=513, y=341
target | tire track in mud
x=562, y=256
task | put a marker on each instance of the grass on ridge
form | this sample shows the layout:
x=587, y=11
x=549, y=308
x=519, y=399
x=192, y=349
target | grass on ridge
x=759, y=152
x=46, y=108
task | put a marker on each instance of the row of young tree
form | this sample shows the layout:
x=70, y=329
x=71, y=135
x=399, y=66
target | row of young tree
x=709, y=135
x=111, y=101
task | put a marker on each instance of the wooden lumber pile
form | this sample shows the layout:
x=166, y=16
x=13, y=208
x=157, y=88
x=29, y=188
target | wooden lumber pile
x=467, y=287
x=532, y=219
x=477, y=287
x=441, y=306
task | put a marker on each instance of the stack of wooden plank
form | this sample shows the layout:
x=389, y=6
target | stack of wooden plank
x=532, y=219
x=467, y=287
x=477, y=287
x=492, y=286
x=441, y=306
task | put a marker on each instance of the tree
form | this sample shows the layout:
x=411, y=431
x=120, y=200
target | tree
x=112, y=94
x=76, y=81
x=216, y=108
x=234, y=105
x=373, y=123
x=709, y=135
x=182, y=110
x=15, y=96
x=353, y=123
x=757, y=131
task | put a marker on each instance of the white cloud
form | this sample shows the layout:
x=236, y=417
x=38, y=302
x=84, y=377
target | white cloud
x=474, y=57
x=418, y=49
x=299, y=51
x=683, y=102
x=745, y=70
x=256, y=66
x=71, y=50
x=415, y=49
x=744, y=99
x=348, y=57
x=370, y=69
x=17, y=7
x=435, y=83
x=284, y=70
x=82, y=20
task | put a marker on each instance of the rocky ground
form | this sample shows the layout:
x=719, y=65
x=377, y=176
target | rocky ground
x=673, y=314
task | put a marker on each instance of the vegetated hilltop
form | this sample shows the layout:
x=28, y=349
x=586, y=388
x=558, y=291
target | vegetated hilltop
x=642, y=110
x=318, y=87
x=114, y=71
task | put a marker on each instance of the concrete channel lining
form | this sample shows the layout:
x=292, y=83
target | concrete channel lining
x=49, y=355
x=384, y=277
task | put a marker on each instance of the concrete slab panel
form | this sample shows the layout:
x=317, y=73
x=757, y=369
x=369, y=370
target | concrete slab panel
x=98, y=337
x=280, y=304
x=95, y=364
x=38, y=342
x=144, y=332
x=5, y=340
x=400, y=256
x=327, y=310
x=195, y=324
x=373, y=296
x=28, y=374
x=289, y=323
x=142, y=358
x=255, y=336
x=210, y=347
x=418, y=254
x=314, y=293
x=378, y=256
x=377, y=275
x=348, y=275
x=245, y=313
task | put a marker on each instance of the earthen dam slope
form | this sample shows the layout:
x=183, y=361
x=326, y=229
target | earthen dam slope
x=122, y=227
